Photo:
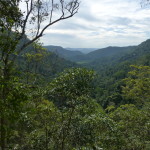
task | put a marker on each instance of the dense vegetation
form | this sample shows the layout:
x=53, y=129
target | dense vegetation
x=49, y=103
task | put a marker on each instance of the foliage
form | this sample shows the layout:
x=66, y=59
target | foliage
x=138, y=84
x=38, y=111
x=14, y=26
x=71, y=85
x=133, y=126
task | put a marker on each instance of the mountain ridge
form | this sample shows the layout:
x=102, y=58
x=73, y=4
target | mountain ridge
x=111, y=53
x=62, y=52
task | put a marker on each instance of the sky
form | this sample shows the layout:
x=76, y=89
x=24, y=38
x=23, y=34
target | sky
x=102, y=23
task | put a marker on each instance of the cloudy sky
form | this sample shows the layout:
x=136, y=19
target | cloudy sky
x=102, y=23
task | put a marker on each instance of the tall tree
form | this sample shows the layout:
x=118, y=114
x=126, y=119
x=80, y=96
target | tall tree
x=16, y=25
x=138, y=84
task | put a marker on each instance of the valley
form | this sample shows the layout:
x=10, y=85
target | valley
x=55, y=98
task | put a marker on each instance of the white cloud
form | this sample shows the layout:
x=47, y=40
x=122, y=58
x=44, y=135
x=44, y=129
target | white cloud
x=102, y=23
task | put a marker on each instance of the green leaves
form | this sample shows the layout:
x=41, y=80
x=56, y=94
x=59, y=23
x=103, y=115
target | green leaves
x=133, y=126
x=70, y=85
x=138, y=84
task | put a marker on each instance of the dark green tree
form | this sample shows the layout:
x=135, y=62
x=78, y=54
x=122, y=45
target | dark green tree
x=138, y=85
x=133, y=124
x=14, y=26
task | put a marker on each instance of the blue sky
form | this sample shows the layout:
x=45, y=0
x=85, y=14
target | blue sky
x=102, y=23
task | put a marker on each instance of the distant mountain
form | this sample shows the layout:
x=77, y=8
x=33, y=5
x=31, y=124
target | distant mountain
x=112, y=70
x=83, y=50
x=75, y=55
x=64, y=53
x=103, y=53
x=109, y=52
x=138, y=55
x=140, y=52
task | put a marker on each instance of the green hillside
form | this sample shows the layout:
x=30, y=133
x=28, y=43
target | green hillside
x=55, y=99
x=77, y=56
x=108, y=52
x=64, y=53
x=41, y=63
x=111, y=71
x=102, y=54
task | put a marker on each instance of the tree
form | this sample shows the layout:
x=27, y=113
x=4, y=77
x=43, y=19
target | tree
x=133, y=124
x=137, y=85
x=44, y=127
x=69, y=86
x=68, y=91
x=16, y=26
x=33, y=59
x=83, y=123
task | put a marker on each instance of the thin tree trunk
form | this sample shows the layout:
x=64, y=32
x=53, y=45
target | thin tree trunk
x=46, y=137
x=3, y=133
x=4, y=94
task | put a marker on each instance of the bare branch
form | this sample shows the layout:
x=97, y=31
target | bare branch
x=38, y=17
x=62, y=7
x=51, y=13
x=37, y=14
x=41, y=33
x=26, y=19
x=145, y=3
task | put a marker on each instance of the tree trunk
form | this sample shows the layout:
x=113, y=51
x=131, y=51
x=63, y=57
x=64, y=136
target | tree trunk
x=46, y=137
x=4, y=94
x=3, y=133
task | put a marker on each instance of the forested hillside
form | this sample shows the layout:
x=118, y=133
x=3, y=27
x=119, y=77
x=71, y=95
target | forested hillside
x=79, y=57
x=64, y=53
x=83, y=50
x=38, y=61
x=108, y=52
x=50, y=103
x=112, y=70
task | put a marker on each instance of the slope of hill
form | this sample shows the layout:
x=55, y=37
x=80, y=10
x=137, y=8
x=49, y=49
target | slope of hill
x=83, y=50
x=129, y=55
x=139, y=53
x=108, y=52
x=64, y=53
x=111, y=71
x=43, y=64
x=77, y=56
x=102, y=54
